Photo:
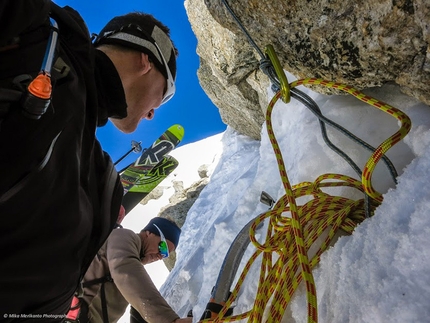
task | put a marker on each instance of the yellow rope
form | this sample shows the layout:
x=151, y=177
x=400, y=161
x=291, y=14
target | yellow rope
x=290, y=236
x=405, y=127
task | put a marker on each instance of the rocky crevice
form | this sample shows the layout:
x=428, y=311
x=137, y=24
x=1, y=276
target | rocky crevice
x=363, y=44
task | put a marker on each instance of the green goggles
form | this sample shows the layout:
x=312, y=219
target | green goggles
x=162, y=246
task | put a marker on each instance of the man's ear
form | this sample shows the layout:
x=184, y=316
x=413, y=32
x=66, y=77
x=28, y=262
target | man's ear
x=144, y=234
x=145, y=64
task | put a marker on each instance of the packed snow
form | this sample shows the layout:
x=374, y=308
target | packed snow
x=378, y=274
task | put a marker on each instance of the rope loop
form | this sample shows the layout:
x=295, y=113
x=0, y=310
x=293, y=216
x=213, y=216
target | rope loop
x=298, y=233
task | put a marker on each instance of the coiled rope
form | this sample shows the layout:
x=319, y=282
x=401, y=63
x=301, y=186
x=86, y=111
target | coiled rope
x=293, y=230
x=291, y=236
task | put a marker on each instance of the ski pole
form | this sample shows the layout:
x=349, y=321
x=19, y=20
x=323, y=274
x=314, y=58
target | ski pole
x=135, y=147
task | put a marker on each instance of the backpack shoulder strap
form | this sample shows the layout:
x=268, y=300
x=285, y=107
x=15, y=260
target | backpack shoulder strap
x=102, y=281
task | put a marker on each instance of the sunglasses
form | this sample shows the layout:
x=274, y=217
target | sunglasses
x=171, y=88
x=162, y=246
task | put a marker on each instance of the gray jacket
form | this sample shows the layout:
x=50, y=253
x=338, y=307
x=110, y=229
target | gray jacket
x=120, y=258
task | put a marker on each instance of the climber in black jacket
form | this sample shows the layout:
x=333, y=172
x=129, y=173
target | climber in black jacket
x=59, y=192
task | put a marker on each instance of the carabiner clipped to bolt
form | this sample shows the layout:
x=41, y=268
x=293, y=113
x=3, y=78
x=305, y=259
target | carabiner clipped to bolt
x=285, y=87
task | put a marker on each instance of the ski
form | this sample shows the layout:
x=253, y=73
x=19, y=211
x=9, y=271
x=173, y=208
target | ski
x=151, y=156
x=147, y=182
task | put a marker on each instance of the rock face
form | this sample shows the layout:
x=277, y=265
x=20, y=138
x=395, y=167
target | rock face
x=180, y=203
x=360, y=43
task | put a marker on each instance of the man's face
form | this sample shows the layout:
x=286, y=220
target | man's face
x=143, y=95
x=151, y=251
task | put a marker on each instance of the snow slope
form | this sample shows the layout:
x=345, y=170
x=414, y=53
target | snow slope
x=379, y=274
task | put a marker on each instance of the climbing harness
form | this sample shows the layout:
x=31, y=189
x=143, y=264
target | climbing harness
x=78, y=312
x=292, y=247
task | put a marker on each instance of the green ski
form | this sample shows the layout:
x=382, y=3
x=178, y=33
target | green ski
x=152, y=156
x=147, y=182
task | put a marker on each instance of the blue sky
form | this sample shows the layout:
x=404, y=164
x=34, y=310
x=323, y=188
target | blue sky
x=190, y=106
